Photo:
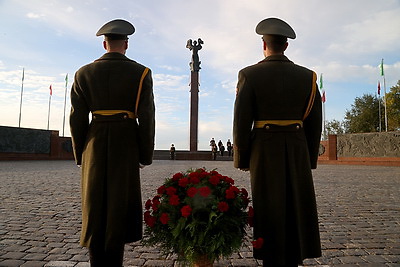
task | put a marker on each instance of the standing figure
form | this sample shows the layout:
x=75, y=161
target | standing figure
x=195, y=46
x=222, y=150
x=214, y=151
x=219, y=144
x=229, y=147
x=277, y=130
x=212, y=143
x=172, y=152
x=118, y=92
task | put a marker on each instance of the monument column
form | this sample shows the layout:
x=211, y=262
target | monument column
x=194, y=92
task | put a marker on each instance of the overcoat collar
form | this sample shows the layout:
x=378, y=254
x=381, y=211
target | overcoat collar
x=113, y=56
x=275, y=58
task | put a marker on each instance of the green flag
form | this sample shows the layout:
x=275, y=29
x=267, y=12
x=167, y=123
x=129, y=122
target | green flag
x=321, y=84
x=381, y=67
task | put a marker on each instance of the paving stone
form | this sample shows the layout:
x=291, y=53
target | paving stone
x=33, y=264
x=60, y=264
x=58, y=257
x=11, y=263
x=34, y=256
x=357, y=205
x=14, y=255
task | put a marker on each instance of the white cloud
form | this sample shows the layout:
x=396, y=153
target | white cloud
x=343, y=39
x=32, y=15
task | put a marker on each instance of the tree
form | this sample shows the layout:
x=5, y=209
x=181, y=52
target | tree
x=393, y=107
x=363, y=117
x=334, y=127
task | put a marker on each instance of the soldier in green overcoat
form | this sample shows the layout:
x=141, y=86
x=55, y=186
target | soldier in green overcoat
x=277, y=130
x=111, y=148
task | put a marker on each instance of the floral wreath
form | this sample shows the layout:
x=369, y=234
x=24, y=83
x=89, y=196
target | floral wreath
x=198, y=214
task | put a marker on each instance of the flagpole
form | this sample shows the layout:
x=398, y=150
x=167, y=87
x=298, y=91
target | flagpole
x=20, y=103
x=321, y=86
x=324, y=120
x=379, y=105
x=384, y=91
x=65, y=102
x=48, y=116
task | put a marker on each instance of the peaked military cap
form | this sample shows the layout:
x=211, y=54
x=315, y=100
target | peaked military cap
x=275, y=26
x=116, y=29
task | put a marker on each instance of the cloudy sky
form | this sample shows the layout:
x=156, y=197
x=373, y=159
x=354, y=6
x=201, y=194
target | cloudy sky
x=344, y=40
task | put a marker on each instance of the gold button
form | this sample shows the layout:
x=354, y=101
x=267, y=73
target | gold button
x=297, y=127
x=267, y=127
x=94, y=117
x=125, y=116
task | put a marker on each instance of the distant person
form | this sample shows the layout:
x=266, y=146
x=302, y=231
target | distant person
x=229, y=147
x=214, y=151
x=172, y=152
x=222, y=150
x=118, y=92
x=212, y=143
x=219, y=145
x=277, y=131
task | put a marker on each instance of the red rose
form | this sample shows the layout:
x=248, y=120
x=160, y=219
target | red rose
x=214, y=180
x=223, y=206
x=214, y=173
x=250, y=219
x=228, y=180
x=186, y=211
x=244, y=192
x=235, y=189
x=147, y=214
x=156, y=203
x=205, y=191
x=170, y=190
x=194, y=178
x=149, y=220
x=164, y=218
x=192, y=191
x=177, y=176
x=231, y=192
x=148, y=204
x=161, y=190
x=257, y=244
x=204, y=174
x=174, y=200
x=183, y=182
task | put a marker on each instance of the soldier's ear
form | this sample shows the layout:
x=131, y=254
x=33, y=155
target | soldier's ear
x=286, y=46
x=264, y=45
x=105, y=45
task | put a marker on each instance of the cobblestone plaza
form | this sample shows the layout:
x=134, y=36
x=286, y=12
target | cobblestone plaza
x=359, y=213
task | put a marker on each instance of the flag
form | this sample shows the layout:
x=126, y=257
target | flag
x=379, y=88
x=321, y=84
x=381, y=67
x=51, y=90
x=66, y=80
x=23, y=74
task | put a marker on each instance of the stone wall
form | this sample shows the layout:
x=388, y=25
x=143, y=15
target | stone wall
x=22, y=140
x=33, y=144
x=377, y=145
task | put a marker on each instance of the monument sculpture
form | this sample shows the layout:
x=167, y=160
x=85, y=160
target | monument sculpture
x=194, y=46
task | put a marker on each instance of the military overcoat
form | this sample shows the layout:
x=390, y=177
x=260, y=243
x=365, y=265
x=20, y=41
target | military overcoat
x=280, y=158
x=110, y=150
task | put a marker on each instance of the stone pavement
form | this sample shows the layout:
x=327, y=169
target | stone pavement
x=40, y=214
